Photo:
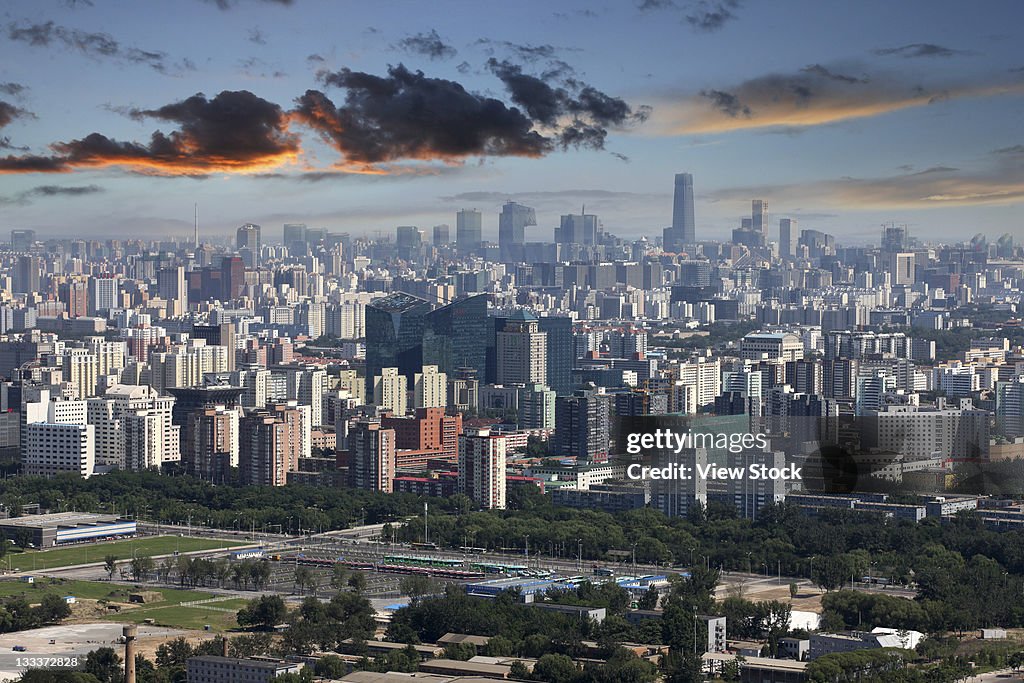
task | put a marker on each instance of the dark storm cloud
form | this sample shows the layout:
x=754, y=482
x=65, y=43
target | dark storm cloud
x=96, y=45
x=12, y=89
x=315, y=58
x=407, y=115
x=32, y=164
x=541, y=101
x=711, y=15
x=591, y=111
x=8, y=112
x=234, y=131
x=654, y=4
x=819, y=70
x=920, y=50
x=525, y=52
x=59, y=190
x=726, y=102
x=24, y=198
x=229, y=4
x=427, y=44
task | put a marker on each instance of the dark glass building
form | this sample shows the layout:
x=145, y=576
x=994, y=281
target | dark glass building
x=403, y=331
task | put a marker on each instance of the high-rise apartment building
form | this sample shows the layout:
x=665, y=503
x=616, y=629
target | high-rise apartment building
x=106, y=293
x=430, y=388
x=51, y=449
x=371, y=456
x=582, y=426
x=210, y=447
x=482, y=458
x=522, y=350
x=390, y=391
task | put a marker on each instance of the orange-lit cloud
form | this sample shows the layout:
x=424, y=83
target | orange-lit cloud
x=234, y=132
x=999, y=183
x=815, y=96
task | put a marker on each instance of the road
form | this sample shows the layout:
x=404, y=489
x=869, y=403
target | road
x=1001, y=676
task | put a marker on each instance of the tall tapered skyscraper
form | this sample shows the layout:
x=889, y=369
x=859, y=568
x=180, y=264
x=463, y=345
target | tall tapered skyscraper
x=683, y=230
x=759, y=215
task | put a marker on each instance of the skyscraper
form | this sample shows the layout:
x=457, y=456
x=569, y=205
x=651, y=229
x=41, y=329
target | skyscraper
x=441, y=235
x=468, y=230
x=683, y=230
x=22, y=240
x=402, y=331
x=522, y=351
x=759, y=215
x=787, y=237
x=247, y=241
x=512, y=223
x=27, y=274
x=170, y=284
x=295, y=238
x=578, y=228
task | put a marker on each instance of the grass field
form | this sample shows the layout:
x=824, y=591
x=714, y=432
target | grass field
x=95, y=552
x=219, y=615
x=173, y=616
x=92, y=590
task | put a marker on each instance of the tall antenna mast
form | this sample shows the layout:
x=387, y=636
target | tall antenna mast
x=195, y=233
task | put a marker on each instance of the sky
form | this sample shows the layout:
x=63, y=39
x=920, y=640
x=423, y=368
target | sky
x=118, y=117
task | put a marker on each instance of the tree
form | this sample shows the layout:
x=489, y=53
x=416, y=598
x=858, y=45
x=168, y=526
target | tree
x=649, y=600
x=140, y=566
x=110, y=564
x=53, y=608
x=173, y=654
x=553, y=668
x=339, y=577
x=331, y=666
x=415, y=586
x=104, y=664
x=794, y=590
x=357, y=582
x=518, y=671
x=264, y=612
x=304, y=578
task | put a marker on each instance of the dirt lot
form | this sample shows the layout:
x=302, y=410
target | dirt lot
x=71, y=640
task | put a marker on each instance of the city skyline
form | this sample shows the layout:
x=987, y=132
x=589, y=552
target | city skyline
x=843, y=124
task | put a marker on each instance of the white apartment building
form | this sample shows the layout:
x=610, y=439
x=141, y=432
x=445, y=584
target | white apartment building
x=482, y=468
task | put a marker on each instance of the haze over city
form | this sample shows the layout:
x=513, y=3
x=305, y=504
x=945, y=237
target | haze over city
x=116, y=118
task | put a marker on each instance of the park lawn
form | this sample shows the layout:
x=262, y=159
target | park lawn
x=174, y=616
x=92, y=590
x=146, y=546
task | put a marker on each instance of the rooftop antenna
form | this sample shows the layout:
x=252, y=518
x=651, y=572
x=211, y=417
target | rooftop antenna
x=195, y=230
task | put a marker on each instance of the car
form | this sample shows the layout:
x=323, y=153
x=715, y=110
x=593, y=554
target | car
x=19, y=648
